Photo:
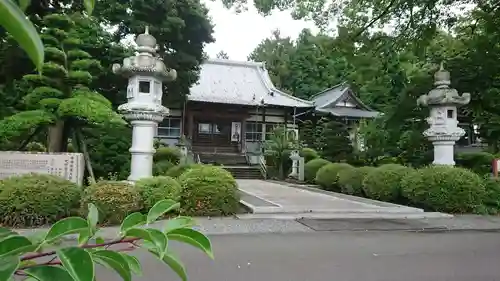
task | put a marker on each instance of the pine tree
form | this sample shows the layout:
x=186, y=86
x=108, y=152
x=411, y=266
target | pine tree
x=61, y=98
x=337, y=145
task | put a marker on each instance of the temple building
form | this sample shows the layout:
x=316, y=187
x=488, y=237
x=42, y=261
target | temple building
x=235, y=105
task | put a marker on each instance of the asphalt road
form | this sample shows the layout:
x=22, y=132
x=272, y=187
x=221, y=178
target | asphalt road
x=327, y=256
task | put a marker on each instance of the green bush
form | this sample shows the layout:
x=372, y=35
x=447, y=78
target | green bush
x=312, y=167
x=168, y=153
x=308, y=154
x=161, y=168
x=327, y=176
x=108, y=147
x=177, y=170
x=492, y=198
x=114, y=199
x=155, y=189
x=208, y=191
x=478, y=162
x=384, y=182
x=36, y=199
x=351, y=180
x=444, y=189
x=36, y=147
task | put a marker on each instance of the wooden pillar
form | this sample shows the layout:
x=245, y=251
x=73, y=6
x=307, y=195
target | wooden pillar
x=190, y=125
x=243, y=138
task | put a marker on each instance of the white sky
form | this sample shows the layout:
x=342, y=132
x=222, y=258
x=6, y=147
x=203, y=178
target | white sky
x=239, y=34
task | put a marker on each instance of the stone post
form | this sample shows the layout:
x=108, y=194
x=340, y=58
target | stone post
x=301, y=168
x=144, y=109
x=294, y=156
x=443, y=130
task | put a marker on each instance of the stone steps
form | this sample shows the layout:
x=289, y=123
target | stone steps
x=244, y=172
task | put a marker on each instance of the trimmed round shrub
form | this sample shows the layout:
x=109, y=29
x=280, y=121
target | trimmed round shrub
x=308, y=154
x=168, y=153
x=312, y=167
x=392, y=166
x=161, y=168
x=35, y=147
x=492, y=198
x=155, y=189
x=444, y=189
x=208, y=191
x=177, y=170
x=478, y=162
x=114, y=200
x=36, y=199
x=384, y=182
x=351, y=180
x=327, y=176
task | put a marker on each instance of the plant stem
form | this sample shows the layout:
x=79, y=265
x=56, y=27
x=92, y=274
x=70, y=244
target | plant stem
x=86, y=246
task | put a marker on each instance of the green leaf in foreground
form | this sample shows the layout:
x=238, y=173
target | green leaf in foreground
x=14, y=245
x=160, y=240
x=133, y=263
x=78, y=263
x=176, y=265
x=13, y=20
x=8, y=266
x=92, y=218
x=66, y=226
x=178, y=222
x=4, y=232
x=193, y=238
x=160, y=208
x=115, y=261
x=89, y=5
x=131, y=221
x=48, y=273
x=24, y=4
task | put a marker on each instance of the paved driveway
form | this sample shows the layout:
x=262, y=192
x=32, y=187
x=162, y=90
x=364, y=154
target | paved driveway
x=270, y=197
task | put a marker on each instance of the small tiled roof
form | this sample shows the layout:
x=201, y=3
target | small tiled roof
x=349, y=112
x=237, y=82
x=326, y=102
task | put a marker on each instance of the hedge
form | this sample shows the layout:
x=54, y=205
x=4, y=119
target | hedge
x=312, y=167
x=351, y=180
x=384, y=182
x=208, y=191
x=114, y=200
x=327, y=176
x=36, y=199
x=444, y=189
x=155, y=189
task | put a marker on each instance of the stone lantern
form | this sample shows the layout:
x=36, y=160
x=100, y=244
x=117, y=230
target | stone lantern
x=443, y=131
x=145, y=72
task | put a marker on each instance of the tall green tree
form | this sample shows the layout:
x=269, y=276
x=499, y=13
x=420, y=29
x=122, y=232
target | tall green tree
x=61, y=98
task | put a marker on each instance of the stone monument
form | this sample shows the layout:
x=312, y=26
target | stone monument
x=294, y=156
x=145, y=72
x=297, y=166
x=443, y=130
x=69, y=166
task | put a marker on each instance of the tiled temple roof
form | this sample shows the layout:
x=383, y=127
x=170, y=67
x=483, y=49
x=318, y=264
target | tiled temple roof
x=326, y=102
x=236, y=82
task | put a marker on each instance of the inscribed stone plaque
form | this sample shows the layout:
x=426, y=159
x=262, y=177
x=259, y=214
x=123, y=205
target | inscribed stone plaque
x=69, y=166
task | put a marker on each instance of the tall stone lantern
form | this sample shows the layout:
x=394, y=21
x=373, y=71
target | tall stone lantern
x=145, y=72
x=443, y=131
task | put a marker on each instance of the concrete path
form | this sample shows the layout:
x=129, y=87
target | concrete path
x=268, y=199
x=326, y=256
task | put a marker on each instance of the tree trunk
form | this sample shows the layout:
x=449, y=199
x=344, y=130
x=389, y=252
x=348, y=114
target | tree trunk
x=58, y=137
x=83, y=146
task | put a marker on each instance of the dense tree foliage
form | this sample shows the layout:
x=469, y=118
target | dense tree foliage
x=181, y=28
x=389, y=72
